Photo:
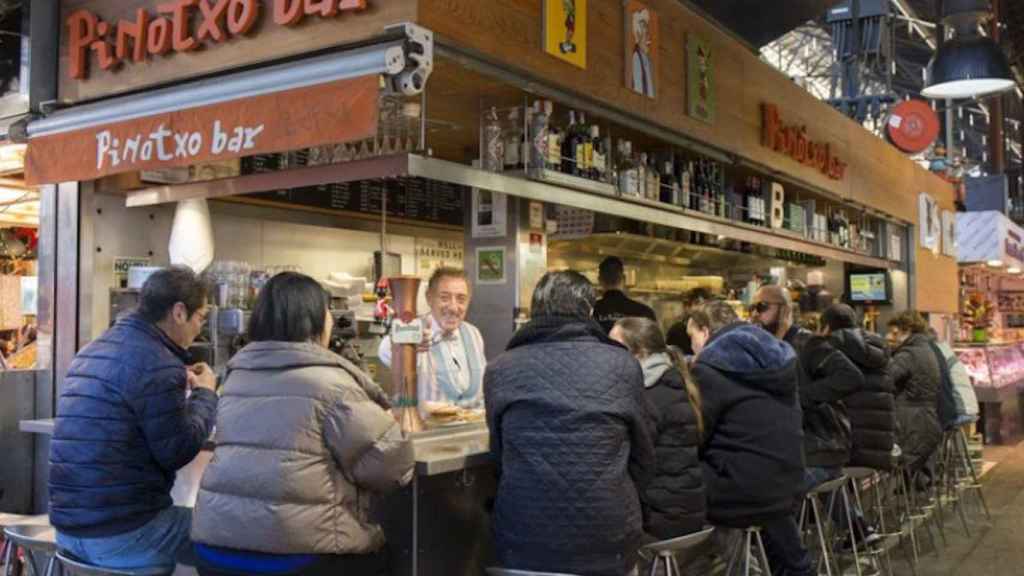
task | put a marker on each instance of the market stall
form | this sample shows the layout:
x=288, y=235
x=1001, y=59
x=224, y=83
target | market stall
x=394, y=152
x=990, y=338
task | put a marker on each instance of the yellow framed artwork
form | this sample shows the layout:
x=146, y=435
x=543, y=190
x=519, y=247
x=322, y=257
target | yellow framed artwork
x=565, y=31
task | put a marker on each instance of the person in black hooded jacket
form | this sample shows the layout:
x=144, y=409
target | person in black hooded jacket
x=674, y=500
x=752, y=455
x=872, y=407
x=569, y=436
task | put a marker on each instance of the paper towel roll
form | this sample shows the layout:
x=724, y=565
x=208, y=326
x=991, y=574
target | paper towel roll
x=192, y=235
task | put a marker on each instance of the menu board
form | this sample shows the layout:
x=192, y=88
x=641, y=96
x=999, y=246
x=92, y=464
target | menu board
x=408, y=198
x=975, y=360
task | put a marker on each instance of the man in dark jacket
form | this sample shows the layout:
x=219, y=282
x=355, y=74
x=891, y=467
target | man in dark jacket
x=753, y=462
x=124, y=427
x=569, y=435
x=871, y=408
x=825, y=379
x=614, y=305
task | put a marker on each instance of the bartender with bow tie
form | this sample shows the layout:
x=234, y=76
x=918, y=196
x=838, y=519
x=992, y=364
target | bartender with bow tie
x=450, y=363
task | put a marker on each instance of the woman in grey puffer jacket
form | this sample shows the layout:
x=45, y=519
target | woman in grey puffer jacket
x=304, y=439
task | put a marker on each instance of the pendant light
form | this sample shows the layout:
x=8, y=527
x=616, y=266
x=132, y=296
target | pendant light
x=969, y=65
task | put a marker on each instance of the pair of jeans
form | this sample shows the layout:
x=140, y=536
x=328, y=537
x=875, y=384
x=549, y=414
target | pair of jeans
x=161, y=542
x=784, y=548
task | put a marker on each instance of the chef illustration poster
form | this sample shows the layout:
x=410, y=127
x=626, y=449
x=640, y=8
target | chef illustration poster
x=641, y=48
x=700, y=79
x=565, y=30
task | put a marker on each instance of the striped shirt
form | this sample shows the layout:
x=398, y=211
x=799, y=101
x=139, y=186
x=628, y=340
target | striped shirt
x=451, y=372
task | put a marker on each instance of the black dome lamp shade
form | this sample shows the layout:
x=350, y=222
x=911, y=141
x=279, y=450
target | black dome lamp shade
x=969, y=65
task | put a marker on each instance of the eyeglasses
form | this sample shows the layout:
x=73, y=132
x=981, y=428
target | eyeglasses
x=762, y=307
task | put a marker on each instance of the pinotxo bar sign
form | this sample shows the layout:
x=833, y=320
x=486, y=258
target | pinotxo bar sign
x=181, y=26
x=333, y=112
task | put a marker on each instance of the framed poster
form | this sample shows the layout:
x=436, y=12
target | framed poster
x=930, y=223
x=490, y=265
x=490, y=214
x=948, y=233
x=700, y=79
x=565, y=31
x=641, y=48
x=432, y=254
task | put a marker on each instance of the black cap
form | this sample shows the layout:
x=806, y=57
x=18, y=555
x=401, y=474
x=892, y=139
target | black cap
x=611, y=271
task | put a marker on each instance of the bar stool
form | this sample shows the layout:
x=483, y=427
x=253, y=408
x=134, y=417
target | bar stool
x=873, y=479
x=951, y=477
x=961, y=462
x=823, y=527
x=15, y=520
x=75, y=567
x=33, y=540
x=667, y=552
x=751, y=536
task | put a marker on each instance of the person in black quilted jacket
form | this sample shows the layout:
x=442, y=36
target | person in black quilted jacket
x=752, y=455
x=124, y=427
x=674, y=501
x=570, y=439
x=872, y=407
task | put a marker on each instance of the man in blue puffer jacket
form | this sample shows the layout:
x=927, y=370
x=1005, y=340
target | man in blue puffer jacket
x=124, y=427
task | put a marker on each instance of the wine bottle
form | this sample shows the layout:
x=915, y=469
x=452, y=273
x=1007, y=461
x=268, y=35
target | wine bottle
x=539, y=140
x=569, y=145
x=513, y=142
x=599, y=155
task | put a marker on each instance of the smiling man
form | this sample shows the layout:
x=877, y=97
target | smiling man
x=450, y=364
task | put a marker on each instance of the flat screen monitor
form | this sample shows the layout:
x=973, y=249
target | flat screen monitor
x=868, y=287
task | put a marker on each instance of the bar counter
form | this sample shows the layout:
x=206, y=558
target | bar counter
x=443, y=514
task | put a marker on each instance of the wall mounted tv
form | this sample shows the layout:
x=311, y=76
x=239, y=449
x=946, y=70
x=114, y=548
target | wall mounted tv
x=868, y=287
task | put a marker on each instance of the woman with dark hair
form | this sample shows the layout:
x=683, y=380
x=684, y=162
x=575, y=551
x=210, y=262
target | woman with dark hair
x=916, y=377
x=674, y=500
x=302, y=436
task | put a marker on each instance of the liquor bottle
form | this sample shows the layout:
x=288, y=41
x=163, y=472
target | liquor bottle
x=686, y=185
x=569, y=145
x=494, y=142
x=598, y=155
x=669, y=184
x=641, y=176
x=555, y=136
x=653, y=181
x=513, y=142
x=589, y=141
x=628, y=173
x=582, y=139
x=539, y=140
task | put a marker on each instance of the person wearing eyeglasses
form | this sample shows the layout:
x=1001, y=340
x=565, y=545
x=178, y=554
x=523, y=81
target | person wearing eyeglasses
x=450, y=364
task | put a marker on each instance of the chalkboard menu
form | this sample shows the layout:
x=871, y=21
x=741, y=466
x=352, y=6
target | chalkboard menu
x=410, y=198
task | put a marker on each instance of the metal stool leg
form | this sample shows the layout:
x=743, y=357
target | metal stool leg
x=849, y=524
x=746, y=553
x=7, y=556
x=877, y=488
x=819, y=526
x=766, y=569
x=904, y=515
x=734, y=557
x=975, y=483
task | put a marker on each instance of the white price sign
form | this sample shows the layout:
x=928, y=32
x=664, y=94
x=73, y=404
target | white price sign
x=406, y=332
